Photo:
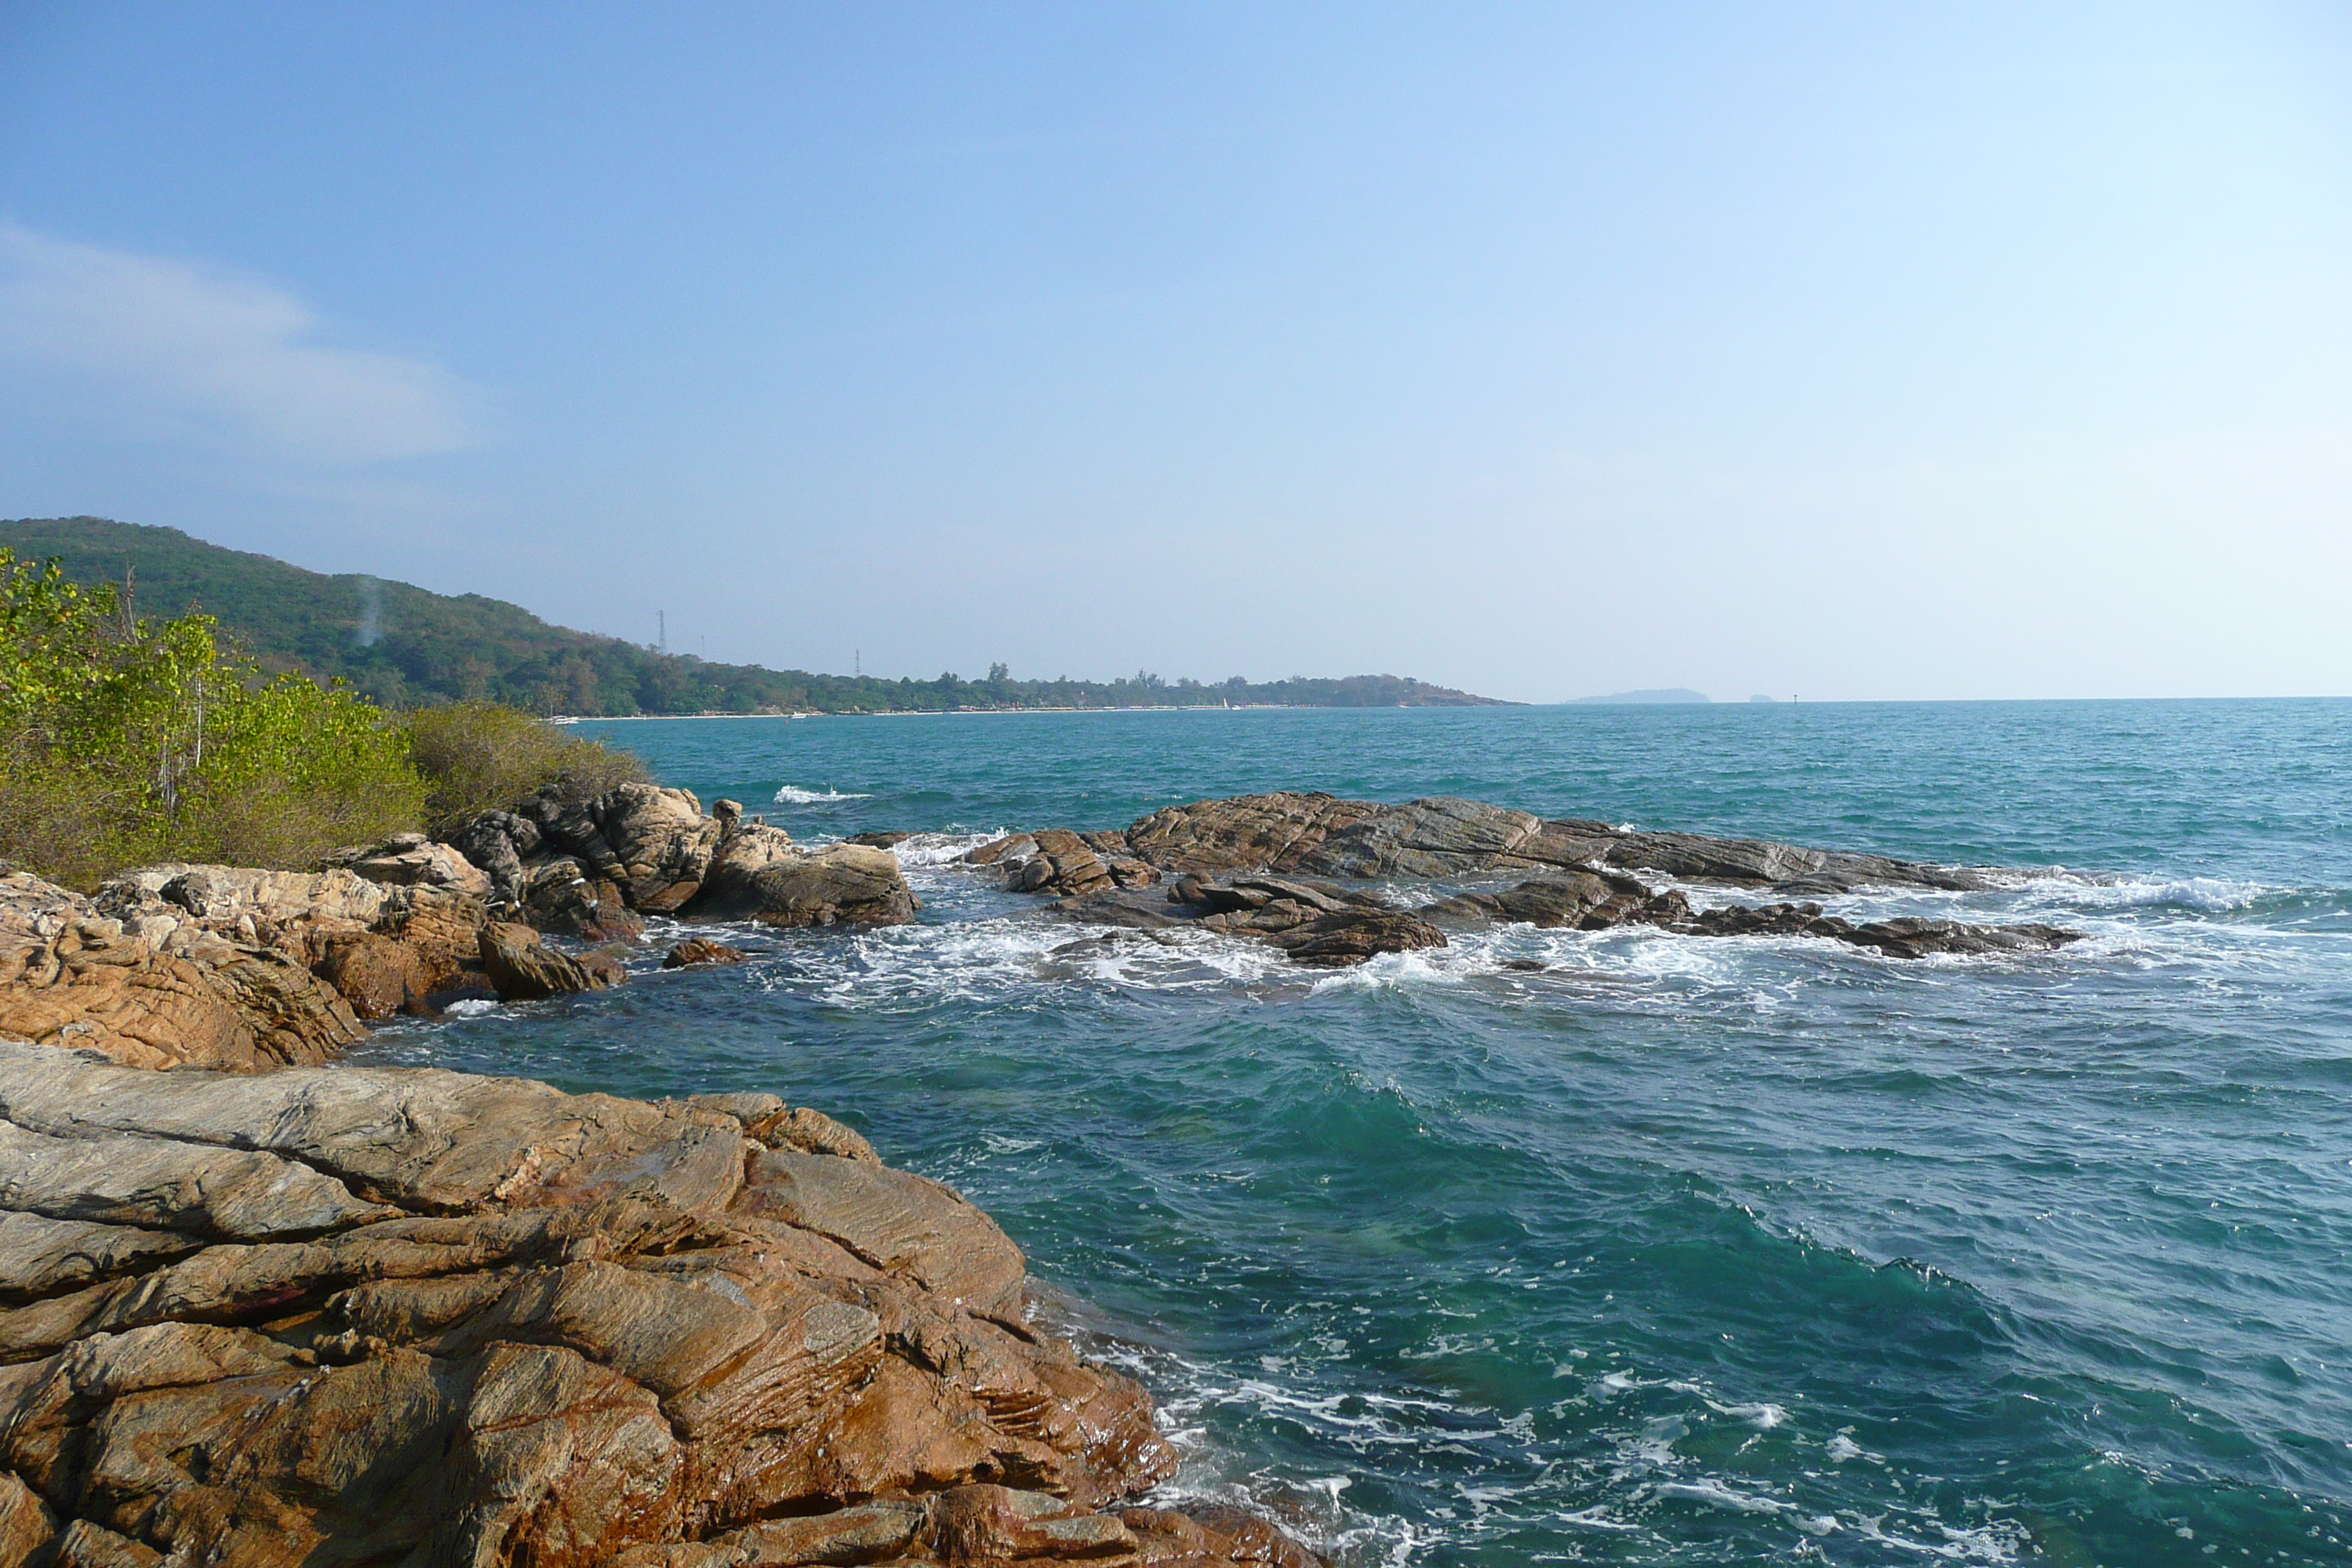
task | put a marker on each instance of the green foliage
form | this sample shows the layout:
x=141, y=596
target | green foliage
x=125, y=741
x=404, y=647
x=477, y=756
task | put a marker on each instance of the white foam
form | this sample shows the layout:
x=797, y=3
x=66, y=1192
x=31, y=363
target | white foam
x=472, y=1006
x=1715, y=1494
x=922, y=849
x=791, y=795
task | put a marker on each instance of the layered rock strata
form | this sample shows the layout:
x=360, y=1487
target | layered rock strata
x=407, y=1317
x=156, y=993
x=1292, y=840
x=1320, y=835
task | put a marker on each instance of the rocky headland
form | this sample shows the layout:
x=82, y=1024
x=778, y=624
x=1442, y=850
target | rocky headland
x=1289, y=869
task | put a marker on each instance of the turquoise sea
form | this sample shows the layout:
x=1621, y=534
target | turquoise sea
x=1681, y=1251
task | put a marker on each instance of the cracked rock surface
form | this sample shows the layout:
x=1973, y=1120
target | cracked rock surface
x=1273, y=847
x=406, y=1316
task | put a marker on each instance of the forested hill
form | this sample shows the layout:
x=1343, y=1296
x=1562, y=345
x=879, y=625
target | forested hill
x=406, y=647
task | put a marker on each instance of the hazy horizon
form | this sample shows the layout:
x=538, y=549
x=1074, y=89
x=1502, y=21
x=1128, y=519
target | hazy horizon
x=1963, y=354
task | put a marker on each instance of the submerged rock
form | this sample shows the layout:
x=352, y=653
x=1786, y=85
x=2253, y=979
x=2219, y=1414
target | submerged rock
x=388, y=1316
x=700, y=950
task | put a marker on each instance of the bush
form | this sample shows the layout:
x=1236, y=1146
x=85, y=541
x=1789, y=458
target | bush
x=124, y=741
x=477, y=756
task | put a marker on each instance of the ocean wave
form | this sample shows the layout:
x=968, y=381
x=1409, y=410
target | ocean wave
x=925, y=849
x=792, y=795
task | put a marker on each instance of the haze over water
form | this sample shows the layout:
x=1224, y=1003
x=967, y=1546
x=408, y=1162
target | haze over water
x=1678, y=1250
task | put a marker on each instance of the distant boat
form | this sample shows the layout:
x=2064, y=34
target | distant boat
x=561, y=719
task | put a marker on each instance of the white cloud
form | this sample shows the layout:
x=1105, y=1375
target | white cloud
x=195, y=350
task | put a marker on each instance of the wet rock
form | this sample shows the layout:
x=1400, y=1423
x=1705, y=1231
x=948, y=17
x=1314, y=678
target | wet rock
x=525, y=969
x=384, y=1316
x=378, y=975
x=841, y=884
x=1593, y=900
x=885, y=840
x=1354, y=935
x=744, y=850
x=1320, y=834
x=607, y=965
x=700, y=950
x=1904, y=938
x=559, y=898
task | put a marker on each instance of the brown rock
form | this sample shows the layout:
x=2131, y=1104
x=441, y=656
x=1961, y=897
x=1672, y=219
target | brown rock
x=844, y=883
x=74, y=978
x=700, y=950
x=441, y=926
x=381, y=1316
x=1354, y=936
x=524, y=969
x=378, y=975
x=1320, y=834
x=558, y=897
x=744, y=850
x=411, y=860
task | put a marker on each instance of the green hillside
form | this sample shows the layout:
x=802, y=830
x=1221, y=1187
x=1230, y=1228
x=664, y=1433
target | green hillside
x=406, y=647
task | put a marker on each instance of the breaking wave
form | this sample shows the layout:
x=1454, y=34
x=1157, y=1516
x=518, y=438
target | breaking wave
x=792, y=795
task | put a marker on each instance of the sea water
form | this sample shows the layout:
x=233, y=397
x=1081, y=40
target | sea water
x=1678, y=1250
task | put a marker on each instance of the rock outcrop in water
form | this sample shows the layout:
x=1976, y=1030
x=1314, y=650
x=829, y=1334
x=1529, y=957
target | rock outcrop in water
x=593, y=868
x=1585, y=882
x=405, y=1317
x=1322, y=835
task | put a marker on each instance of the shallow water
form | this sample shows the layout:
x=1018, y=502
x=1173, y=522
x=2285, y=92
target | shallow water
x=1681, y=1250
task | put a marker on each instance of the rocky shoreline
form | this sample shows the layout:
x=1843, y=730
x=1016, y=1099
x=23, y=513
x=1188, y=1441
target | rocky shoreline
x=262, y=1311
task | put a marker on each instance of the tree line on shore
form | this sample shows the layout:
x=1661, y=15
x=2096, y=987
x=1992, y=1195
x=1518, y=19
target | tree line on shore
x=403, y=646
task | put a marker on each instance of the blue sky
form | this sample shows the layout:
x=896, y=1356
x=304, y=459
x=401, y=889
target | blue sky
x=1848, y=350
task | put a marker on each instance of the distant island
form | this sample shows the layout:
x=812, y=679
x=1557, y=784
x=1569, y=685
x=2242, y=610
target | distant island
x=1657, y=694
x=406, y=647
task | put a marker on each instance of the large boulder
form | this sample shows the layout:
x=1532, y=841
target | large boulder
x=654, y=843
x=841, y=884
x=411, y=859
x=406, y=1316
x=377, y=975
x=525, y=969
x=498, y=842
x=170, y=995
x=730, y=890
x=559, y=896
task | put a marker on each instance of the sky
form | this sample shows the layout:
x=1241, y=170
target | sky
x=1842, y=351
